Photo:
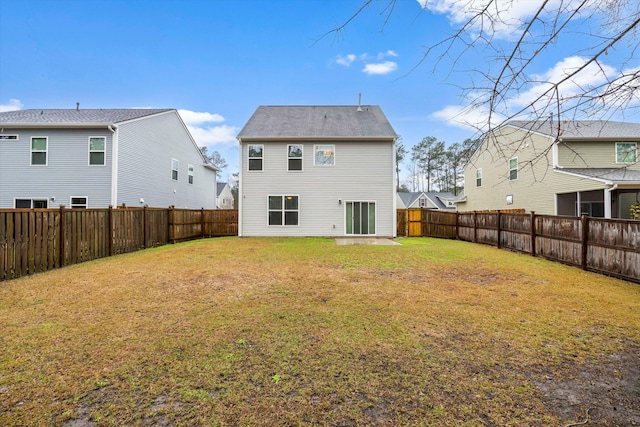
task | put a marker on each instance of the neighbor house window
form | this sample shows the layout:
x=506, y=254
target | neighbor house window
x=31, y=203
x=8, y=137
x=97, y=151
x=79, y=202
x=283, y=210
x=39, y=151
x=513, y=169
x=324, y=155
x=190, y=174
x=478, y=177
x=174, y=169
x=294, y=157
x=423, y=202
x=626, y=152
x=255, y=153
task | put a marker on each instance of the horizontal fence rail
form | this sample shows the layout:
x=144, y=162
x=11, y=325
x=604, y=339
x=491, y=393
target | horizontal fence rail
x=36, y=240
x=606, y=246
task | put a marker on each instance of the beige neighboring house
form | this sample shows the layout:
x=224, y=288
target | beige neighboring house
x=224, y=196
x=556, y=168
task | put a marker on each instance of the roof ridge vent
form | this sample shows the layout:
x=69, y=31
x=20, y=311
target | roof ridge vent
x=359, y=100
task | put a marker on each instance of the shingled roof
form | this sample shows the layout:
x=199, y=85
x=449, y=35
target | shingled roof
x=581, y=129
x=75, y=116
x=318, y=122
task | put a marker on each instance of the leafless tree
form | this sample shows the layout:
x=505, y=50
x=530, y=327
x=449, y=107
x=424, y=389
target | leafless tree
x=601, y=80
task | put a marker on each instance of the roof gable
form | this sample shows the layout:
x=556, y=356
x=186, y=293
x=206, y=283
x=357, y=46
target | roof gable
x=317, y=122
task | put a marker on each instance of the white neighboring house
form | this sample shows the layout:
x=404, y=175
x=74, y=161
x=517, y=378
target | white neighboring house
x=317, y=171
x=224, y=196
x=444, y=201
x=93, y=158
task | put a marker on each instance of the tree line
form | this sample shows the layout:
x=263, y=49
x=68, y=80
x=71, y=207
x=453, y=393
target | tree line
x=433, y=165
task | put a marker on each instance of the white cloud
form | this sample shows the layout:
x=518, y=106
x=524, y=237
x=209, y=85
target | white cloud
x=383, y=55
x=196, y=118
x=466, y=117
x=508, y=15
x=380, y=68
x=345, y=60
x=13, y=105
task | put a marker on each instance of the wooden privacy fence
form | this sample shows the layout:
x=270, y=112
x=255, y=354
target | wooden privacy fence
x=607, y=246
x=35, y=240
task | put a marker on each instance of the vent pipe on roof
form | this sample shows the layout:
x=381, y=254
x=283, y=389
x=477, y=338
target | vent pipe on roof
x=77, y=106
x=359, y=100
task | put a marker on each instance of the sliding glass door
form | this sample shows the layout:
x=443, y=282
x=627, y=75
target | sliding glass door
x=361, y=218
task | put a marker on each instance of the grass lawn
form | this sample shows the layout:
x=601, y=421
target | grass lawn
x=301, y=332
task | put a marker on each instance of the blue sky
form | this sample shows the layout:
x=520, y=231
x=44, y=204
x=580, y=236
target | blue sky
x=217, y=61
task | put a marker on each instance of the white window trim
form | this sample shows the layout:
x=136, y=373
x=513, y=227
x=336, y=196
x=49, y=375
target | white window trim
x=190, y=174
x=625, y=143
x=79, y=206
x=517, y=169
x=46, y=162
x=177, y=169
x=479, y=170
x=283, y=210
x=9, y=137
x=301, y=157
x=249, y=158
x=315, y=147
x=422, y=202
x=104, y=151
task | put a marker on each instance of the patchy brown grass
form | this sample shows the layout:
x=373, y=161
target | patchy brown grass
x=295, y=332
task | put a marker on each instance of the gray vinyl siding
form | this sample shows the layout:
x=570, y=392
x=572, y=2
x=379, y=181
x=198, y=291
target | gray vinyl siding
x=537, y=182
x=67, y=173
x=145, y=150
x=363, y=171
x=590, y=154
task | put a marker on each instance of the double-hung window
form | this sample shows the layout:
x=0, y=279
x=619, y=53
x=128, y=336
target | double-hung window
x=190, y=174
x=255, y=154
x=626, y=152
x=513, y=169
x=39, y=151
x=324, y=155
x=294, y=157
x=478, y=177
x=175, y=165
x=97, y=151
x=283, y=210
x=31, y=203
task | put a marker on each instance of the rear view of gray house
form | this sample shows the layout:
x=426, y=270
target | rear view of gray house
x=93, y=158
x=317, y=171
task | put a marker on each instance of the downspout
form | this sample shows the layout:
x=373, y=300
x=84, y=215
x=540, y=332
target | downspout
x=114, y=165
x=607, y=200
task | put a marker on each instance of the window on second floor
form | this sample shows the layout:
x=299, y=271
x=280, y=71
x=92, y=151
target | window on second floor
x=190, y=174
x=626, y=152
x=174, y=169
x=478, y=177
x=324, y=155
x=513, y=169
x=255, y=154
x=294, y=157
x=97, y=151
x=39, y=151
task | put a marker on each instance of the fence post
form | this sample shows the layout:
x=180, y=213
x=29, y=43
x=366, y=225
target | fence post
x=62, y=235
x=171, y=230
x=475, y=227
x=498, y=218
x=533, y=233
x=202, y=233
x=145, y=224
x=110, y=229
x=585, y=235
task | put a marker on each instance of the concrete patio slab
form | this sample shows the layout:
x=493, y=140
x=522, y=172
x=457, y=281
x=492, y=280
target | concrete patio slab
x=365, y=241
